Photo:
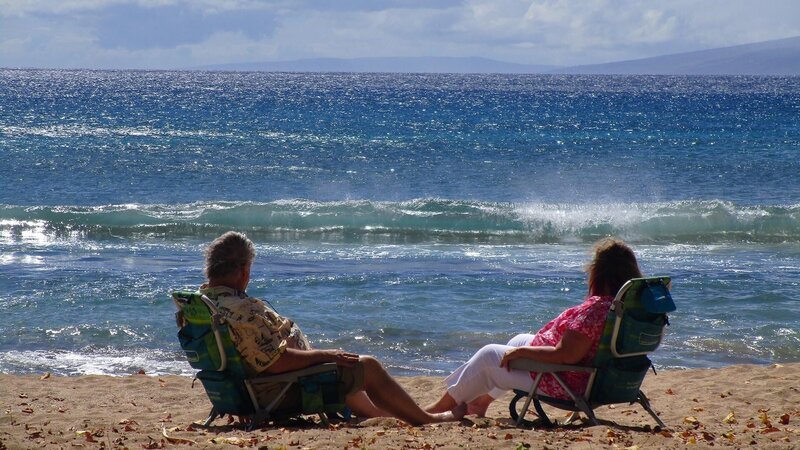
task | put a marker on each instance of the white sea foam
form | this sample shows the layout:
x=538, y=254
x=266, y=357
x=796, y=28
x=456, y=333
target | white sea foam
x=72, y=131
x=419, y=220
x=103, y=362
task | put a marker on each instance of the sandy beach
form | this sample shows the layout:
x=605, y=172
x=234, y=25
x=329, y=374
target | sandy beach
x=735, y=406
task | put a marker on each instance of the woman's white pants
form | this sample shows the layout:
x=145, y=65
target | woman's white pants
x=482, y=374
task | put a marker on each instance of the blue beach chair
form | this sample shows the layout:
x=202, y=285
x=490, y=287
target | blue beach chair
x=634, y=328
x=207, y=344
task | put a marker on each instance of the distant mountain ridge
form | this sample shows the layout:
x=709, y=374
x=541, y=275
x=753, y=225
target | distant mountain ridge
x=777, y=57
x=422, y=64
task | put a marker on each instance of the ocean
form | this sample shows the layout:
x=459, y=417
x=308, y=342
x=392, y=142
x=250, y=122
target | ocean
x=411, y=217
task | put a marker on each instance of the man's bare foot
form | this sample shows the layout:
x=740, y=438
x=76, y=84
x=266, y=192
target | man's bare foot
x=479, y=406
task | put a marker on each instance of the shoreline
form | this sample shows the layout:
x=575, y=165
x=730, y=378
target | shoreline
x=733, y=406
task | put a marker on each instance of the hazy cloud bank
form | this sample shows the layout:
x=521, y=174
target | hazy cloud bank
x=184, y=33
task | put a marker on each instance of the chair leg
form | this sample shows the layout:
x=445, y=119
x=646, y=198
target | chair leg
x=580, y=402
x=524, y=409
x=646, y=405
x=584, y=407
x=543, y=419
x=512, y=405
x=530, y=396
x=573, y=417
x=212, y=416
x=592, y=418
x=257, y=419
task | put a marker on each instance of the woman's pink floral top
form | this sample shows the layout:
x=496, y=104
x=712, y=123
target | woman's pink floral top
x=588, y=318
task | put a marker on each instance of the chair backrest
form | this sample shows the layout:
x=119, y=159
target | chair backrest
x=634, y=328
x=205, y=339
x=204, y=335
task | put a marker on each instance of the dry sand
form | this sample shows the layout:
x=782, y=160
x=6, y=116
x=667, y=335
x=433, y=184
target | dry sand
x=736, y=406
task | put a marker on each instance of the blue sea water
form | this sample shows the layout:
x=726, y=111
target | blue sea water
x=412, y=217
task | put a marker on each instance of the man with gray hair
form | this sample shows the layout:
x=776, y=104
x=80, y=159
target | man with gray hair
x=270, y=343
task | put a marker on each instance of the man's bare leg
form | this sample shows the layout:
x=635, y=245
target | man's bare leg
x=363, y=407
x=386, y=394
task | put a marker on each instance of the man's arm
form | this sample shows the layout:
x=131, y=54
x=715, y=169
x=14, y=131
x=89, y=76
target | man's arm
x=288, y=358
x=294, y=359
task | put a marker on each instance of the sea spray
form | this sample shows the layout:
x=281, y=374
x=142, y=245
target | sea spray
x=422, y=220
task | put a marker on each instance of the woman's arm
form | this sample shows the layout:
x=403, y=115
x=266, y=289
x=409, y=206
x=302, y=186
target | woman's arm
x=294, y=359
x=572, y=348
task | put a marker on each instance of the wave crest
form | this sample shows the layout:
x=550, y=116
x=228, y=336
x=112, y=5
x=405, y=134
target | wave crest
x=420, y=220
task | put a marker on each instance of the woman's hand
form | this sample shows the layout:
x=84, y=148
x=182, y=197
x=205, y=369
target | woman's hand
x=510, y=355
x=341, y=357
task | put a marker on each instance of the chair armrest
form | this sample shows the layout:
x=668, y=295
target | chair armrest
x=536, y=366
x=293, y=375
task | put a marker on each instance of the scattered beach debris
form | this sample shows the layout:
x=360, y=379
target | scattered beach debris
x=175, y=440
x=234, y=440
x=730, y=418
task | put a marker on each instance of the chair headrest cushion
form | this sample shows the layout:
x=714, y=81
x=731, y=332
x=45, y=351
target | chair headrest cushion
x=656, y=299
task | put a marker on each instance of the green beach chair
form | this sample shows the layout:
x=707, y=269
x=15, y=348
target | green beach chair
x=207, y=344
x=634, y=328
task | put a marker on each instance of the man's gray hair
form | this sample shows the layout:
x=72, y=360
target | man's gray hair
x=227, y=254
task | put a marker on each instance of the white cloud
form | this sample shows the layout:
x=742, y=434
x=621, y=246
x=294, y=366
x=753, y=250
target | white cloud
x=76, y=50
x=12, y=8
x=52, y=33
x=228, y=47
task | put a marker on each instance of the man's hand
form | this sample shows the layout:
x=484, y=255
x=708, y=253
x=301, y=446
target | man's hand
x=294, y=359
x=341, y=357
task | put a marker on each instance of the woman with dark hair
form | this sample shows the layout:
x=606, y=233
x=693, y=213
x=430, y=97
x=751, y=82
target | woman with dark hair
x=570, y=338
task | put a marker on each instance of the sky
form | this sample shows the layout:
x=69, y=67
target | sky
x=169, y=34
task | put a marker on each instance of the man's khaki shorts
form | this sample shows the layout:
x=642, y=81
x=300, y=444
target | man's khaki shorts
x=349, y=379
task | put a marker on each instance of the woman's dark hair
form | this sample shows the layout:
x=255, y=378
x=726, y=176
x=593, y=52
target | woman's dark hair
x=227, y=254
x=613, y=264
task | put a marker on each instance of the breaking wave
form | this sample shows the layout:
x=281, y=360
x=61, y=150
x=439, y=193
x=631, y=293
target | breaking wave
x=423, y=220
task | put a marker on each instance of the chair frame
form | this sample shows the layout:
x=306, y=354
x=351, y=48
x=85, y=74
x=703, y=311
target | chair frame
x=579, y=403
x=263, y=413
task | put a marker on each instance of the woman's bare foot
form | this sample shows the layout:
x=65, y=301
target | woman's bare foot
x=459, y=411
x=444, y=404
x=479, y=406
x=453, y=415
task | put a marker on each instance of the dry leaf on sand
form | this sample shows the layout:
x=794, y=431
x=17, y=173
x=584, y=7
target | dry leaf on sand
x=175, y=440
x=233, y=440
x=730, y=418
